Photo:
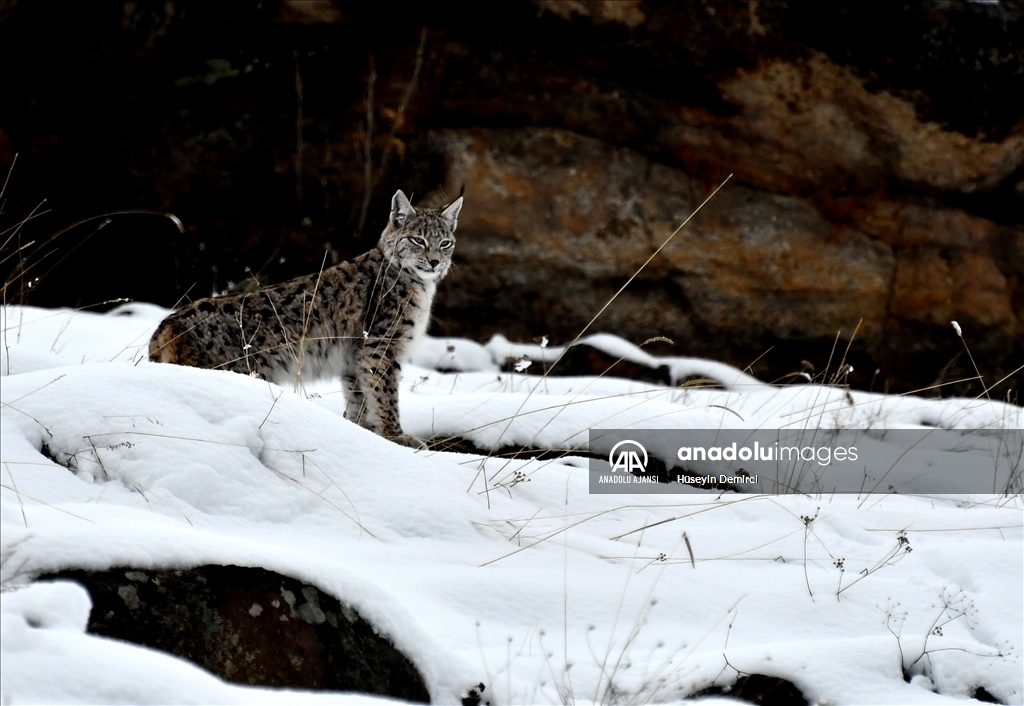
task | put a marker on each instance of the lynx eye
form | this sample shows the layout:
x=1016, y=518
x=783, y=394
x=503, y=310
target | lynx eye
x=419, y=242
x=446, y=244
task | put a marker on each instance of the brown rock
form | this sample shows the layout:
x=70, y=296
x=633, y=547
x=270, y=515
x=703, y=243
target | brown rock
x=922, y=223
x=309, y=11
x=626, y=12
x=561, y=221
x=936, y=287
x=809, y=123
x=753, y=265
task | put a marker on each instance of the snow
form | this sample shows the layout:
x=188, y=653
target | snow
x=499, y=569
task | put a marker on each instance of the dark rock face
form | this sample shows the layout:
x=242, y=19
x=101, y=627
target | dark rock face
x=249, y=626
x=878, y=154
x=760, y=689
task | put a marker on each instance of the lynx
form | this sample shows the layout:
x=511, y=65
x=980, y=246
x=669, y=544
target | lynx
x=356, y=320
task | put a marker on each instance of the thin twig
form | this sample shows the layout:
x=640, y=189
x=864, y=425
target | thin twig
x=298, y=132
x=305, y=323
x=46, y=504
x=399, y=120
x=609, y=302
x=21, y=503
x=9, y=172
x=367, y=150
x=271, y=410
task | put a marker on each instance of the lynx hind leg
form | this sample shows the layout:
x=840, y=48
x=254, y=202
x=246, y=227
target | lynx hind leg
x=168, y=344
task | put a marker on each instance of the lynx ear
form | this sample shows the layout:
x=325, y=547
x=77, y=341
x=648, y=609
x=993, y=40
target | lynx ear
x=451, y=214
x=401, y=210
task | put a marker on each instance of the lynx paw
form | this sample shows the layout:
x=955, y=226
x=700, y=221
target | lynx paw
x=410, y=441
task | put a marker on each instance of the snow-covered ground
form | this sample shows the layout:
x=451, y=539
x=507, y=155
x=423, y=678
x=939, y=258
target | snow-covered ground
x=501, y=570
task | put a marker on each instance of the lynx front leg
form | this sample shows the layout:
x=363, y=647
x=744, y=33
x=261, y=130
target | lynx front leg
x=374, y=400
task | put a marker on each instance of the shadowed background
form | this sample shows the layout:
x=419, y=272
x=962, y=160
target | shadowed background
x=878, y=153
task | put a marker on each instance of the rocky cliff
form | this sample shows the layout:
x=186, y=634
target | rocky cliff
x=877, y=153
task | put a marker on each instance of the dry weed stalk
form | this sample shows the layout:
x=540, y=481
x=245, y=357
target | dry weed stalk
x=371, y=180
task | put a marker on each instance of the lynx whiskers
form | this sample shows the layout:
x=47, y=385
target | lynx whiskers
x=355, y=320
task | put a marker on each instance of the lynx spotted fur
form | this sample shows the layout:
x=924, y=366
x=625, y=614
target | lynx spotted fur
x=355, y=320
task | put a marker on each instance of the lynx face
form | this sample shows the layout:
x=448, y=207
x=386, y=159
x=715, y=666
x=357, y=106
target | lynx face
x=421, y=243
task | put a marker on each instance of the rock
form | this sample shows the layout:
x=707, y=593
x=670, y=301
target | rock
x=626, y=12
x=934, y=286
x=809, y=124
x=249, y=626
x=759, y=689
x=560, y=221
x=475, y=696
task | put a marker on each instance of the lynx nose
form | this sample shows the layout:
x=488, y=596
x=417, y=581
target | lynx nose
x=434, y=263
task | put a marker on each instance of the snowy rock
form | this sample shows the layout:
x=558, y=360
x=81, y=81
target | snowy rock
x=49, y=605
x=246, y=625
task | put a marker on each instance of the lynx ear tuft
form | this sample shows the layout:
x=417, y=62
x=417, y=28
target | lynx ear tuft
x=401, y=210
x=451, y=214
